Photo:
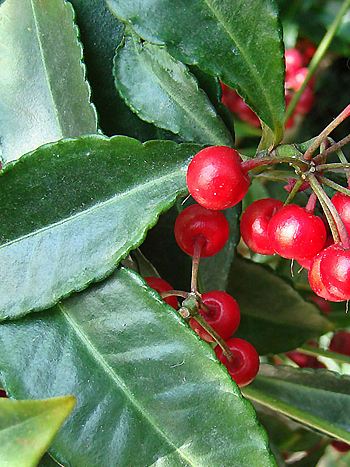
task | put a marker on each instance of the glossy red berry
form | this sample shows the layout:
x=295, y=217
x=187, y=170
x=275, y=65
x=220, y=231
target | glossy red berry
x=340, y=446
x=222, y=313
x=335, y=270
x=215, y=178
x=295, y=81
x=254, y=223
x=340, y=343
x=296, y=233
x=244, y=365
x=317, y=283
x=342, y=205
x=160, y=285
x=196, y=223
x=306, y=101
x=305, y=361
x=294, y=61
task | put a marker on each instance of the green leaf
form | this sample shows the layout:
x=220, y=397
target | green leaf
x=143, y=378
x=238, y=41
x=274, y=317
x=43, y=93
x=319, y=399
x=161, y=90
x=72, y=210
x=28, y=427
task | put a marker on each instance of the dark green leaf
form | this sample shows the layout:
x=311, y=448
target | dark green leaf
x=72, y=210
x=238, y=41
x=43, y=93
x=142, y=377
x=28, y=427
x=319, y=399
x=161, y=90
x=275, y=318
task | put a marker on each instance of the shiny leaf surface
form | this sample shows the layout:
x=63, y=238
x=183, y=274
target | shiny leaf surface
x=72, y=210
x=43, y=93
x=275, y=318
x=28, y=427
x=238, y=41
x=161, y=90
x=317, y=398
x=141, y=377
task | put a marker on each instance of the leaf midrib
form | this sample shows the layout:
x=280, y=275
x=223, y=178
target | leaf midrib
x=244, y=54
x=96, y=355
x=95, y=207
x=46, y=73
x=182, y=105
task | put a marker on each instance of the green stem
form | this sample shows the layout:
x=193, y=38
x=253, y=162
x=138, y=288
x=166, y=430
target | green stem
x=333, y=166
x=335, y=186
x=315, y=352
x=294, y=191
x=318, y=56
x=333, y=148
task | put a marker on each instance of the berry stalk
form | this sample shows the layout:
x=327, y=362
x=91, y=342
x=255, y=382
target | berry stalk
x=333, y=148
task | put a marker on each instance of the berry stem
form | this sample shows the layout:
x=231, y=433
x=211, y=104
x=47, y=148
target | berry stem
x=333, y=148
x=333, y=166
x=199, y=243
x=270, y=160
x=336, y=225
x=200, y=320
x=311, y=204
x=334, y=185
x=318, y=56
x=174, y=293
x=294, y=191
x=329, y=128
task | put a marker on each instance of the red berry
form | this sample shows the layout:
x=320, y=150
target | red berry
x=254, y=223
x=340, y=446
x=223, y=315
x=340, y=343
x=342, y=205
x=305, y=361
x=321, y=303
x=335, y=270
x=244, y=365
x=305, y=262
x=196, y=223
x=2, y=393
x=295, y=81
x=215, y=178
x=305, y=102
x=246, y=114
x=307, y=48
x=229, y=97
x=160, y=285
x=294, y=61
x=317, y=283
x=296, y=233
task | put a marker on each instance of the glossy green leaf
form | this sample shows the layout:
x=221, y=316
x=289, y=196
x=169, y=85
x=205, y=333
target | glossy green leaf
x=72, y=210
x=43, y=93
x=28, y=427
x=274, y=317
x=142, y=379
x=238, y=41
x=319, y=399
x=161, y=90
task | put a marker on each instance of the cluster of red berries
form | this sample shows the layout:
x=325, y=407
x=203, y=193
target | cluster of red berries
x=296, y=61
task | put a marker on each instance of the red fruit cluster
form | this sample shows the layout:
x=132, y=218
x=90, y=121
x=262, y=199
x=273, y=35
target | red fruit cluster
x=296, y=60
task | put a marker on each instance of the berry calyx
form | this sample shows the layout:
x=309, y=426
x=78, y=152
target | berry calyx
x=244, y=364
x=340, y=343
x=160, y=285
x=197, y=224
x=222, y=314
x=254, y=224
x=295, y=233
x=342, y=205
x=215, y=178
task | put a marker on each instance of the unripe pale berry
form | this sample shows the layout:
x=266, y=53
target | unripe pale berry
x=295, y=233
x=160, y=285
x=254, y=223
x=215, y=178
x=222, y=314
x=196, y=223
x=244, y=365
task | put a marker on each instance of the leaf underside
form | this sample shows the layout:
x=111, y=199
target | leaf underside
x=142, y=379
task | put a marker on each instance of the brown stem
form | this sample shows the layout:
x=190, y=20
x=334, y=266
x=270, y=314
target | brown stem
x=174, y=293
x=198, y=245
x=270, y=160
x=333, y=148
x=323, y=135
